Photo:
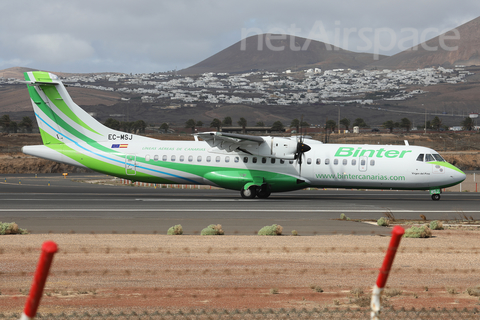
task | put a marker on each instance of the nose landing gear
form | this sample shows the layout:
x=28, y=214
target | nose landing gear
x=435, y=194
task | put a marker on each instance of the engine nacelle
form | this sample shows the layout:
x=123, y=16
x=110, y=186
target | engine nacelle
x=283, y=148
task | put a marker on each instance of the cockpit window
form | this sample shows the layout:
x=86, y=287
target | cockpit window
x=420, y=157
x=438, y=157
x=429, y=157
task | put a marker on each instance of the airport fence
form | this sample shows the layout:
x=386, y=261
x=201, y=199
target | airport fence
x=397, y=314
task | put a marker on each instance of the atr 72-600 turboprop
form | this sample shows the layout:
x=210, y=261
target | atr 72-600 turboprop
x=256, y=166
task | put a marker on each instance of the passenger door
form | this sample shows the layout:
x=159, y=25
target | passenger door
x=363, y=164
x=131, y=164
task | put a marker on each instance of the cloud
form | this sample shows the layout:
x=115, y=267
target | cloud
x=58, y=48
x=134, y=36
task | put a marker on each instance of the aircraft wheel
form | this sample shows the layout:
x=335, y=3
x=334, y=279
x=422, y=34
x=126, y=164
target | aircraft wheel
x=435, y=197
x=264, y=194
x=249, y=193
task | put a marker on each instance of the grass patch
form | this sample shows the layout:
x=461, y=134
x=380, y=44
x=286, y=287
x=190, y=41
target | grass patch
x=175, y=230
x=11, y=228
x=383, y=222
x=436, y=225
x=418, y=232
x=213, y=230
x=273, y=230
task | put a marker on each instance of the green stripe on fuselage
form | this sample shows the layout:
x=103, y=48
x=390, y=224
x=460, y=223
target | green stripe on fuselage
x=446, y=165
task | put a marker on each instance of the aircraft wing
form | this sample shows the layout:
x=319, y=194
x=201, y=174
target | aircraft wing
x=231, y=141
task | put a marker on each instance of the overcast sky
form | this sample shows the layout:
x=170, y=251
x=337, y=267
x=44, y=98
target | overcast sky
x=153, y=35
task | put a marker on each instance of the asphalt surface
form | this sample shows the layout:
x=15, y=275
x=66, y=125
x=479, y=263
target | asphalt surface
x=67, y=205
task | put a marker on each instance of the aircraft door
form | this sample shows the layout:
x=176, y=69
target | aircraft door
x=362, y=164
x=131, y=164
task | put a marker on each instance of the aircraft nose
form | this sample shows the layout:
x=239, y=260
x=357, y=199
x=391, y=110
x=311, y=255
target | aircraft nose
x=458, y=175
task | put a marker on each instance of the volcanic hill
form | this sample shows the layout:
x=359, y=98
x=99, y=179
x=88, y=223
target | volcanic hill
x=275, y=52
x=465, y=39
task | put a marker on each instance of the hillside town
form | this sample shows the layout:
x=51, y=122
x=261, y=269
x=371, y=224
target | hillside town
x=311, y=86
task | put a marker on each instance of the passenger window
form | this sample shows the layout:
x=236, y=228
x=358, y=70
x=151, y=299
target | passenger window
x=164, y=157
x=217, y=159
x=173, y=158
x=318, y=161
x=199, y=159
x=182, y=158
x=155, y=157
x=372, y=162
x=327, y=161
x=272, y=160
x=282, y=161
x=227, y=159
x=147, y=157
x=429, y=157
x=264, y=160
x=335, y=161
x=245, y=159
x=309, y=160
x=354, y=162
x=254, y=159
x=236, y=159
x=420, y=157
x=190, y=158
x=345, y=162
x=209, y=158
x=362, y=162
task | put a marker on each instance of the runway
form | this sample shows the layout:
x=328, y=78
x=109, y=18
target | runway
x=67, y=205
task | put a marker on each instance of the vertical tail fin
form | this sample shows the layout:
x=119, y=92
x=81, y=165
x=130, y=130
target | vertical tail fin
x=59, y=118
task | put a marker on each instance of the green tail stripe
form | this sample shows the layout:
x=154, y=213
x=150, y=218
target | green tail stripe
x=41, y=76
x=65, y=126
x=54, y=96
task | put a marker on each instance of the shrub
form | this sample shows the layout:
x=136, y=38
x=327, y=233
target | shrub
x=175, y=230
x=213, y=230
x=383, y=222
x=474, y=291
x=436, y=225
x=362, y=301
x=392, y=292
x=11, y=228
x=318, y=289
x=273, y=230
x=357, y=292
x=274, y=291
x=418, y=232
x=451, y=290
x=343, y=216
x=294, y=233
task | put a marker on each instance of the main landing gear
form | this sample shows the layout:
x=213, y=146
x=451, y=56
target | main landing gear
x=251, y=192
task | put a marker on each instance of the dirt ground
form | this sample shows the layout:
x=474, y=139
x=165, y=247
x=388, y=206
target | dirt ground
x=159, y=272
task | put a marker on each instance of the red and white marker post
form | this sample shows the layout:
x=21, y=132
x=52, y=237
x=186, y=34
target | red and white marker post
x=49, y=248
x=375, y=303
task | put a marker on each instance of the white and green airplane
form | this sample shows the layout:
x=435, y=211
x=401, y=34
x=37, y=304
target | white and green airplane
x=256, y=166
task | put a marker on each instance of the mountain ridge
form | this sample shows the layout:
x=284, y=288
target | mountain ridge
x=278, y=52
